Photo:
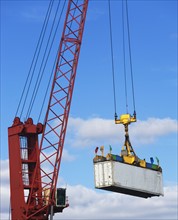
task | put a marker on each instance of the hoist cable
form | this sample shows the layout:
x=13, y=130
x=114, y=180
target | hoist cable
x=33, y=59
x=39, y=50
x=49, y=81
x=130, y=57
x=124, y=56
x=40, y=41
x=112, y=56
x=41, y=71
x=27, y=115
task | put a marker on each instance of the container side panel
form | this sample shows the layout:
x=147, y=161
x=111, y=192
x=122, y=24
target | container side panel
x=137, y=178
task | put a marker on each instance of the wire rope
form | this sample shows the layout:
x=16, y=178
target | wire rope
x=124, y=55
x=112, y=57
x=28, y=89
x=34, y=69
x=42, y=68
x=130, y=57
x=33, y=59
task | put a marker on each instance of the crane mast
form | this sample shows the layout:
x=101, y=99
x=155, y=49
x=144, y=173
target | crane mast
x=34, y=164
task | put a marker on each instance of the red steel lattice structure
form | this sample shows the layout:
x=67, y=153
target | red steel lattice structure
x=34, y=167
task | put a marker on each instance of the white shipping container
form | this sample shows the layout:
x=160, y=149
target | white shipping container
x=128, y=179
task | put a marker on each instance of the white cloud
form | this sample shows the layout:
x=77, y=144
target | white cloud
x=92, y=131
x=4, y=189
x=66, y=156
x=4, y=175
x=147, y=131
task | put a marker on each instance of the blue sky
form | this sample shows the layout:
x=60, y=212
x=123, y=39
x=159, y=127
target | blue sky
x=153, y=28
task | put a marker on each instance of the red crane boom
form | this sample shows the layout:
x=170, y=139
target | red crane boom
x=34, y=166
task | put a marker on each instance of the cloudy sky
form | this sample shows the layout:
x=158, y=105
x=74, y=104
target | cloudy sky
x=153, y=28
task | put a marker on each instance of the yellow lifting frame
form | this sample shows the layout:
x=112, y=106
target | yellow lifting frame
x=125, y=119
x=130, y=156
x=127, y=152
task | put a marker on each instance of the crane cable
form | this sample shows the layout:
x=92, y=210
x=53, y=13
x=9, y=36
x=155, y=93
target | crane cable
x=112, y=59
x=130, y=57
x=124, y=56
x=36, y=55
x=41, y=71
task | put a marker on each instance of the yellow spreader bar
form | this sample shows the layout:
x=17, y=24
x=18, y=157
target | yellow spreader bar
x=125, y=119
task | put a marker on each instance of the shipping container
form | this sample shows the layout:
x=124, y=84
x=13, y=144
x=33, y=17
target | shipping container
x=128, y=179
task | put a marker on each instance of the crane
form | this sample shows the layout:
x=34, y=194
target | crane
x=35, y=163
x=35, y=150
